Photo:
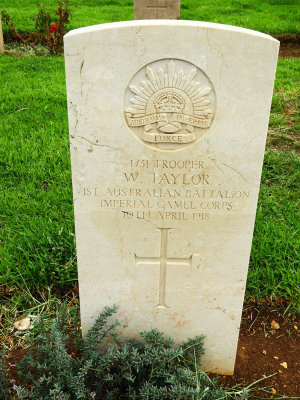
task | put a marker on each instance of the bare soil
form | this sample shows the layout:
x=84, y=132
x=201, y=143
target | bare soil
x=269, y=343
x=289, y=45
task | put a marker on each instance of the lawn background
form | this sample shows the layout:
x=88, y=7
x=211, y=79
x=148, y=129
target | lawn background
x=37, y=242
x=269, y=16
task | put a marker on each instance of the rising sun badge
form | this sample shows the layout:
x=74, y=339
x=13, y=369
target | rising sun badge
x=169, y=103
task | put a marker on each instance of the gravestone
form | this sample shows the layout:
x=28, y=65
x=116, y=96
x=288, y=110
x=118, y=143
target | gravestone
x=156, y=9
x=167, y=144
x=2, y=48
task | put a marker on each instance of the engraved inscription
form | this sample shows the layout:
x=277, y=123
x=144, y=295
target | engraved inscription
x=170, y=190
x=169, y=103
x=156, y=9
x=163, y=261
x=157, y=5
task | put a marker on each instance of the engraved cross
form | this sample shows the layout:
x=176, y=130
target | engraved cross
x=157, y=4
x=163, y=261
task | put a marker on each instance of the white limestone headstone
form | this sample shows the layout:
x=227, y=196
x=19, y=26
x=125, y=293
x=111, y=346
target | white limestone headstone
x=156, y=9
x=168, y=123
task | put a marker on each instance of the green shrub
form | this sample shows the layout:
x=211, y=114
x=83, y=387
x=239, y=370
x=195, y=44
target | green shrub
x=147, y=369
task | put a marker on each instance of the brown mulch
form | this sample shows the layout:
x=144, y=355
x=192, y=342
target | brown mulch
x=289, y=45
x=264, y=351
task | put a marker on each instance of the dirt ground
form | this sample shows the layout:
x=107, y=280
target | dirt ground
x=269, y=343
x=289, y=45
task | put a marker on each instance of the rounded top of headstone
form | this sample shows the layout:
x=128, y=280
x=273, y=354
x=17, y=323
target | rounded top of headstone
x=170, y=23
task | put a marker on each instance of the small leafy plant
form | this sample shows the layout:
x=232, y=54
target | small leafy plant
x=148, y=368
x=48, y=31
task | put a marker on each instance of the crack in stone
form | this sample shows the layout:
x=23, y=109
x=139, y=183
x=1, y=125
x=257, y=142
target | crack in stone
x=237, y=172
x=96, y=144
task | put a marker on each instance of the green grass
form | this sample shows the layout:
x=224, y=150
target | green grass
x=285, y=114
x=270, y=16
x=36, y=220
x=274, y=266
x=36, y=213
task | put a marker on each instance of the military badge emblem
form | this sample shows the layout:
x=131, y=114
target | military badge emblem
x=168, y=103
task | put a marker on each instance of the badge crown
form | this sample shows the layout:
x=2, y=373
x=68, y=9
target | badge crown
x=169, y=102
